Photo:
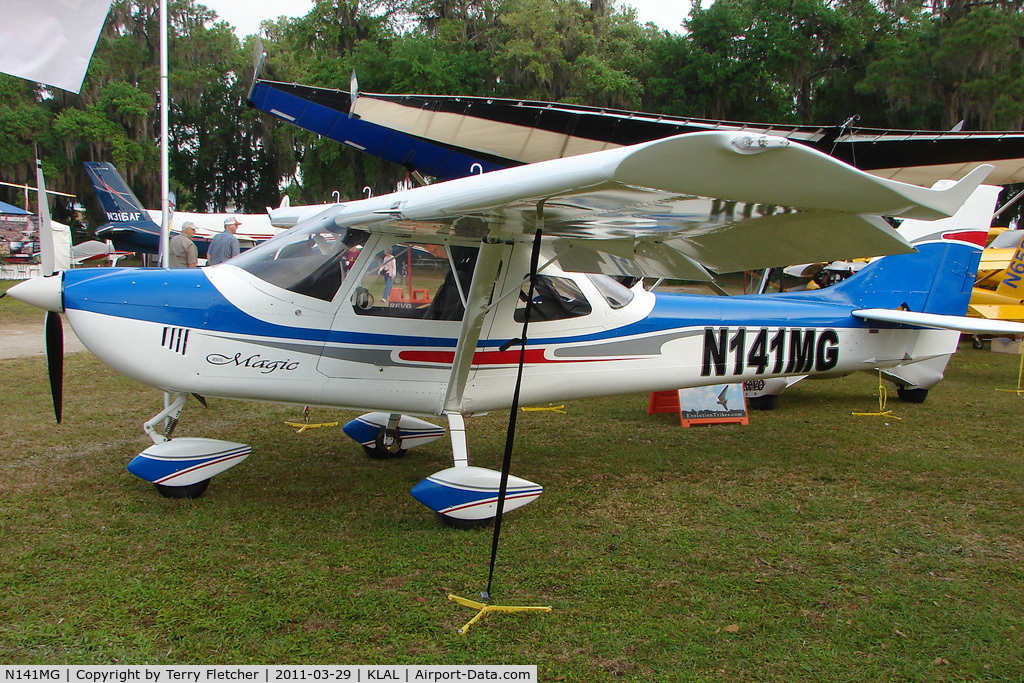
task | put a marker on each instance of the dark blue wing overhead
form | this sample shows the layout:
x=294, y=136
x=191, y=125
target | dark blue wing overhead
x=326, y=112
x=444, y=136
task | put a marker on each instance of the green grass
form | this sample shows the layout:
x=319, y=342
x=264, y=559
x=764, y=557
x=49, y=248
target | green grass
x=840, y=548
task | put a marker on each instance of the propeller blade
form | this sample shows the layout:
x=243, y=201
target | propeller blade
x=47, y=252
x=55, y=360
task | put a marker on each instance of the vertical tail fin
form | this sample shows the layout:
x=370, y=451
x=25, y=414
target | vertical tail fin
x=119, y=203
x=940, y=276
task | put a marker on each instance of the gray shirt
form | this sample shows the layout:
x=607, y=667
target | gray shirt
x=183, y=252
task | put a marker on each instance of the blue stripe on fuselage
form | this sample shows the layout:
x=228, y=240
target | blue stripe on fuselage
x=187, y=298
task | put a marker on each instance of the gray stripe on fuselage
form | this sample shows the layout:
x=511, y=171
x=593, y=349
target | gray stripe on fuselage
x=380, y=357
x=642, y=346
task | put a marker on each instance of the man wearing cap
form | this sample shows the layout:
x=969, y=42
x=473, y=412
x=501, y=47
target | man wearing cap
x=182, y=249
x=224, y=245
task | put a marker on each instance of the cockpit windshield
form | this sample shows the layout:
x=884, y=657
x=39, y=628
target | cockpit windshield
x=311, y=260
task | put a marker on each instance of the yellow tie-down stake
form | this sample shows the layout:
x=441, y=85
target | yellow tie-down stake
x=1020, y=376
x=306, y=424
x=485, y=608
x=883, y=396
x=548, y=408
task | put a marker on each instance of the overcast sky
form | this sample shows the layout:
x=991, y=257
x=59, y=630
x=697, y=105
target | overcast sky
x=246, y=15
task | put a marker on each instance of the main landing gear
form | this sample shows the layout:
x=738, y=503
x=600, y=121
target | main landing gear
x=462, y=496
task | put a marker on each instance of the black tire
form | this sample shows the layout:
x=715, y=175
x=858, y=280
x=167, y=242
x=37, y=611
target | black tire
x=908, y=395
x=191, y=491
x=977, y=343
x=462, y=524
x=379, y=451
x=766, y=402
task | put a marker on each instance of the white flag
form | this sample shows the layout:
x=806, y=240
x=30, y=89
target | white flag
x=50, y=41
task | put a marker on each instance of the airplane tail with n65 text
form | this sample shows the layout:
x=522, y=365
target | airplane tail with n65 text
x=430, y=302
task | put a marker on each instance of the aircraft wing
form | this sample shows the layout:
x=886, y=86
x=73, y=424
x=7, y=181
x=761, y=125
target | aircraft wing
x=943, y=322
x=677, y=206
x=444, y=136
x=993, y=263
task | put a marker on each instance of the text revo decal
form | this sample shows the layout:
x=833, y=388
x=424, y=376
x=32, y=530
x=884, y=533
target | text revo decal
x=736, y=350
x=265, y=365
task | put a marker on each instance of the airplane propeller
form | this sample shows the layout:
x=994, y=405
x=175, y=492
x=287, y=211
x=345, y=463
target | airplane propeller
x=54, y=327
x=55, y=360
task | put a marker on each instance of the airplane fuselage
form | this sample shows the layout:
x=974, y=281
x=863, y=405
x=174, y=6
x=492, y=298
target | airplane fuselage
x=224, y=332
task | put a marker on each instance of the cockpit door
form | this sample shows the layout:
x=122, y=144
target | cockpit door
x=396, y=330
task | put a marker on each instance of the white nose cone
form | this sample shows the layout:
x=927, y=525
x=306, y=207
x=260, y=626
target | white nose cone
x=41, y=292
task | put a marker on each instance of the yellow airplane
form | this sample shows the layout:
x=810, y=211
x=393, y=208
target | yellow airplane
x=996, y=257
x=998, y=292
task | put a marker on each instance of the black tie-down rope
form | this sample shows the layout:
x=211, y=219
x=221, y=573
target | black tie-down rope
x=510, y=436
x=506, y=465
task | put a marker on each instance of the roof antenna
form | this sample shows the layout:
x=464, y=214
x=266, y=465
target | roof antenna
x=353, y=93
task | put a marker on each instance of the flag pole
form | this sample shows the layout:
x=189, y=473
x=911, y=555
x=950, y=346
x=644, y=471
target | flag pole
x=165, y=226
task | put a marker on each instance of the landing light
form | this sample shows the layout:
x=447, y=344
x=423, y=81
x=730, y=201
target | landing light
x=755, y=144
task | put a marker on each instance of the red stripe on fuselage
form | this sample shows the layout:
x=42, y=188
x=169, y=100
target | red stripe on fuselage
x=532, y=357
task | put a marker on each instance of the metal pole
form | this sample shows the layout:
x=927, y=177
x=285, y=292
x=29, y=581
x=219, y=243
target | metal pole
x=165, y=213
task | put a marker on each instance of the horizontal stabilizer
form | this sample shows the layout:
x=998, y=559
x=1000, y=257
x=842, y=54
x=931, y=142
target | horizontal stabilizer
x=998, y=311
x=943, y=322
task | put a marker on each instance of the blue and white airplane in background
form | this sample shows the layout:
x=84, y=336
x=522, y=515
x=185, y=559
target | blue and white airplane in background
x=303, y=318
x=133, y=228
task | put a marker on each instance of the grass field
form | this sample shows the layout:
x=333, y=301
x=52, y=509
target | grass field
x=810, y=545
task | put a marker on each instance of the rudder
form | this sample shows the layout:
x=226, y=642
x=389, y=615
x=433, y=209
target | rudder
x=939, y=277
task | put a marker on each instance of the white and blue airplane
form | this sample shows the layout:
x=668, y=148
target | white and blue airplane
x=313, y=317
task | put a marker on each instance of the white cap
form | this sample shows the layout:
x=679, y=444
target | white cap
x=231, y=220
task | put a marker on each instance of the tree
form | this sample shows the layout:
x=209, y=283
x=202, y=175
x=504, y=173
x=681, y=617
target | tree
x=936, y=72
x=564, y=50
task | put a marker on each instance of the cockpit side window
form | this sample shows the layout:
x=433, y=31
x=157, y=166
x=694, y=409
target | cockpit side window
x=614, y=292
x=413, y=280
x=554, y=298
